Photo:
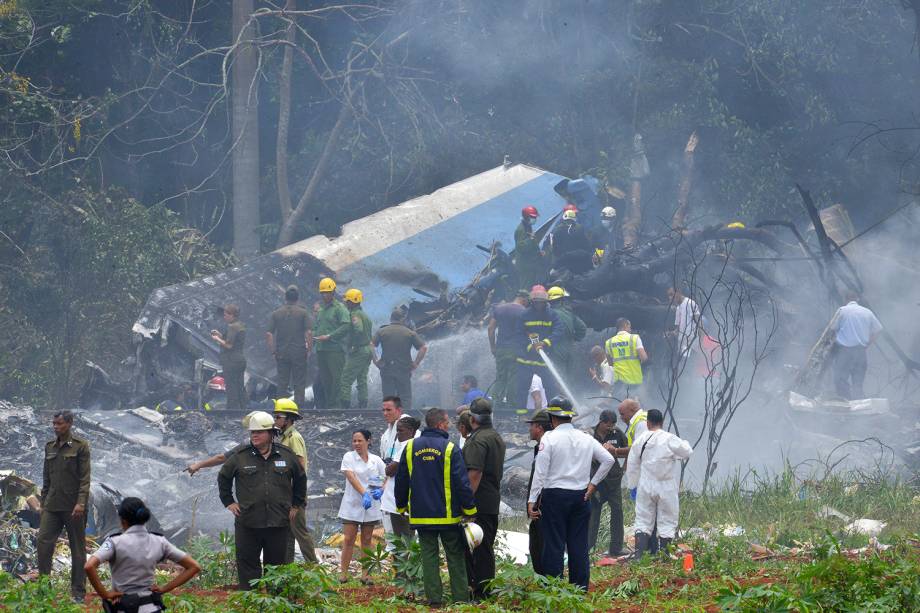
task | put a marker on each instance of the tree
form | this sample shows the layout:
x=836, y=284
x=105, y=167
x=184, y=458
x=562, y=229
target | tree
x=245, y=133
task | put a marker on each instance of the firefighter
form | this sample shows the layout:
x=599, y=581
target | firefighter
x=286, y=414
x=607, y=237
x=527, y=255
x=504, y=328
x=432, y=481
x=359, y=351
x=540, y=330
x=562, y=478
x=574, y=330
x=332, y=326
x=290, y=339
x=626, y=355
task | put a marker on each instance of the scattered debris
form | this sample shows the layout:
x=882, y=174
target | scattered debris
x=868, y=527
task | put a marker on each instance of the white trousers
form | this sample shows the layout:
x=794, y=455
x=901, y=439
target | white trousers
x=657, y=503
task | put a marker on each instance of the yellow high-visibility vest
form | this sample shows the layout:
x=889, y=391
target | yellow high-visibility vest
x=634, y=423
x=621, y=349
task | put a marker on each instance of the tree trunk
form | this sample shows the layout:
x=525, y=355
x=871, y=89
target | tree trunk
x=679, y=221
x=286, y=236
x=245, y=131
x=633, y=215
x=284, y=119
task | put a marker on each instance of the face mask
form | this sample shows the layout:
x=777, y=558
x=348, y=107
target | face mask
x=607, y=223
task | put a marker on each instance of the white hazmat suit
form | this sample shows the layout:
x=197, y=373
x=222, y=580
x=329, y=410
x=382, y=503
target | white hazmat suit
x=653, y=467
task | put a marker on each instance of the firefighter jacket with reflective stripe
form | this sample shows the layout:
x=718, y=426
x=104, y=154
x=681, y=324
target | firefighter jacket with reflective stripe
x=545, y=326
x=432, y=484
x=622, y=352
x=633, y=424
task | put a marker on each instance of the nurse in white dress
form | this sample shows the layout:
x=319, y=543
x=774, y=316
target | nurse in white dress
x=364, y=476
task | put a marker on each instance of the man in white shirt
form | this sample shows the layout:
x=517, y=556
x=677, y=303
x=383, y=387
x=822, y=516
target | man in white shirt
x=686, y=320
x=857, y=327
x=536, y=397
x=562, y=481
x=390, y=451
x=653, y=477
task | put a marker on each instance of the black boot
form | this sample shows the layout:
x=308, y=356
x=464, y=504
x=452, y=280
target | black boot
x=642, y=541
x=653, y=542
x=665, y=547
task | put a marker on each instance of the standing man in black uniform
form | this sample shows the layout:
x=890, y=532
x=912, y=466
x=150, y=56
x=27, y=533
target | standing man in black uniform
x=539, y=425
x=290, y=339
x=271, y=488
x=608, y=491
x=232, y=359
x=395, y=363
x=65, y=490
x=484, y=455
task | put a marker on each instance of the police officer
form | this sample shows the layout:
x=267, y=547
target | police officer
x=286, y=413
x=432, y=481
x=270, y=487
x=332, y=325
x=608, y=491
x=562, y=476
x=395, y=363
x=539, y=425
x=358, y=350
x=65, y=490
x=232, y=359
x=133, y=555
x=289, y=339
x=484, y=455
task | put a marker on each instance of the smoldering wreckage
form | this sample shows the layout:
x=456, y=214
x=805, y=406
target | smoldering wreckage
x=445, y=258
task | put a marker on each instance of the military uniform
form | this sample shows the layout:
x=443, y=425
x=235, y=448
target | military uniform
x=396, y=342
x=527, y=256
x=333, y=320
x=293, y=440
x=358, y=358
x=266, y=489
x=608, y=491
x=65, y=484
x=574, y=331
x=289, y=326
x=233, y=364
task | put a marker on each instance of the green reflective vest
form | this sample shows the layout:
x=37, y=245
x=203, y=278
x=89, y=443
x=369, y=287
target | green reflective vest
x=621, y=349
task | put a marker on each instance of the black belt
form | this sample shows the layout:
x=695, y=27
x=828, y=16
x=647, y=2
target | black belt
x=130, y=603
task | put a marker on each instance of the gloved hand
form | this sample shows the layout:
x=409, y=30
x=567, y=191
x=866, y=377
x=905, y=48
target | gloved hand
x=366, y=500
x=377, y=493
x=632, y=494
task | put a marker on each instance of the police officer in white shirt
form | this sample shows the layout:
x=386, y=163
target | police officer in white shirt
x=562, y=476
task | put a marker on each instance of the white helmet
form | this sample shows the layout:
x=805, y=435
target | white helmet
x=473, y=534
x=260, y=420
x=608, y=212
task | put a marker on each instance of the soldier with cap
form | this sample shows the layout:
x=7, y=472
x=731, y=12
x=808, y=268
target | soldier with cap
x=562, y=476
x=65, y=490
x=358, y=350
x=539, y=425
x=395, y=363
x=270, y=486
x=286, y=413
x=290, y=339
x=484, y=455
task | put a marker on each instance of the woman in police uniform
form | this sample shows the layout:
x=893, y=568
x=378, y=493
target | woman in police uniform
x=133, y=556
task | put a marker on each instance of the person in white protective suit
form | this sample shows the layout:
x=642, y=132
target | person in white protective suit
x=653, y=477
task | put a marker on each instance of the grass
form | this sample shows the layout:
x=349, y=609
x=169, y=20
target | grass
x=792, y=556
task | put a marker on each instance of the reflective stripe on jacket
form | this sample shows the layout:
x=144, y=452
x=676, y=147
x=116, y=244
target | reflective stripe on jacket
x=633, y=424
x=621, y=349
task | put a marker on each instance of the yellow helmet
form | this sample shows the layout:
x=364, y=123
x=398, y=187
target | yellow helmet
x=599, y=253
x=327, y=285
x=287, y=406
x=556, y=292
x=354, y=296
x=735, y=225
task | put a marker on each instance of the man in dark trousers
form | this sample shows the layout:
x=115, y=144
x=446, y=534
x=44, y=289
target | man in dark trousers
x=608, y=491
x=332, y=326
x=65, y=490
x=270, y=487
x=430, y=470
x=504, y=331
x=232, y=358
x=395, y=363
x=484, y=455
x=290, y=339
x=539, y=425
x=540, y=329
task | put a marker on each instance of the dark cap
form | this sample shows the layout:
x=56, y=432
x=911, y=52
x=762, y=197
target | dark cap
x=292, y=288
x=481, y=406
x=540, y=417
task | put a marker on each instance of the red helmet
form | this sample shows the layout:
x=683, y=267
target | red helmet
x=217, y=383
x=570, y=207
x=538, y=288
x=529, y=211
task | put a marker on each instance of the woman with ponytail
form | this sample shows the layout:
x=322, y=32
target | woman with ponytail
x=133, y=555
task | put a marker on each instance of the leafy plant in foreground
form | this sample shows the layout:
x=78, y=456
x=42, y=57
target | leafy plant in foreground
x=290, y=587
x=407, y=564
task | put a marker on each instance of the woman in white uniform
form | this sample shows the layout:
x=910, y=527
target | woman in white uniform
x=133, y=555
x=364, y=476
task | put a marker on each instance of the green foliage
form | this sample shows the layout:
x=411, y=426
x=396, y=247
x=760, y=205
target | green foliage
x=519, y=587
x=39, y=596
x=217, y=560
x=373, y=559
x=290, y=588
x=407, y=565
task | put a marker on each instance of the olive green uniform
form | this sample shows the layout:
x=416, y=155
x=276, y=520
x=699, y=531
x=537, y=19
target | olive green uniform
x=65, y=484
x=293, y=440
x=358, y=358
x=396, y=342
x=484, y=451
x=289, y=326
x=266, y=489
x=233, y=365
x=574, y=330
x=333, y=320
x=527, y=256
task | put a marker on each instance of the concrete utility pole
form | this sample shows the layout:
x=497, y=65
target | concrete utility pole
x=245, y=130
